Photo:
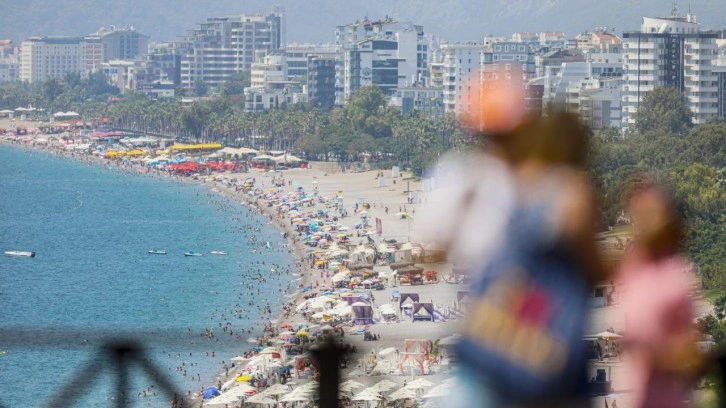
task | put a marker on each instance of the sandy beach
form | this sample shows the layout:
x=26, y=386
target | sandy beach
x=364, y=197
x=384, y=203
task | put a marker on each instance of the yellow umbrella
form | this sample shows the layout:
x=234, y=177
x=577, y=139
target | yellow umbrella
x=302, y=333
x=243, y=378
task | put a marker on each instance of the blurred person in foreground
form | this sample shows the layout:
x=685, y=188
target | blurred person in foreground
x=657, y=283
x=521, y=344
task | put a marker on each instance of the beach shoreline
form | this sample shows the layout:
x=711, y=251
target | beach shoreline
x=385, y=201
x=213, y=187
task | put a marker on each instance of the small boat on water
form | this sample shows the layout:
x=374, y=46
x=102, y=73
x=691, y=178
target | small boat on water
x=218, y=252
x=157, y=252
x=192, y=254
x=29, y=254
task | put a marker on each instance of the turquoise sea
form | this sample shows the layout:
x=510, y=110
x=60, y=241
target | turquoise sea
x=91, y=228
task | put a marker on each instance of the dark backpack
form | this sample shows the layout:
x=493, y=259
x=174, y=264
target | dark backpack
x=524, y=332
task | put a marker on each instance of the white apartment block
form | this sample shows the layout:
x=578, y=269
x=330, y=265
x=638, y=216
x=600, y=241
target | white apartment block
x=462, y=63
x=297, y=58
x=223, y=46
x=121, y=74
x=385, y=53
x=9, y=68
x=673, y=52
x=43, y=58
x=597, y=102
x=272, y=70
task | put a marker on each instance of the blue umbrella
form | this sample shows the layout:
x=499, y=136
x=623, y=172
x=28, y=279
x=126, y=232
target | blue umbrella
x=210, y=392
x=307, y=289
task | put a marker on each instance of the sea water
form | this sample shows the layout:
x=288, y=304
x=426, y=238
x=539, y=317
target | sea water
x=91, y=228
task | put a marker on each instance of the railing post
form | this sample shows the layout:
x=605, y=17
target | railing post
x=328, y=356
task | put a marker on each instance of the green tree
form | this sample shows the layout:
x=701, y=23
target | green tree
x=200, y=88
x=235, y=85
x=664, y=109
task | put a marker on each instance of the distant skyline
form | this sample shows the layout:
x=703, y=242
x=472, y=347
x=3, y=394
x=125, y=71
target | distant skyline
x=315, y=20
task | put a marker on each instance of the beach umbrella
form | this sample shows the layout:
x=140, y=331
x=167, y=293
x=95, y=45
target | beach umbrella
x=302, y=333
x=238, y=359
x=297, y=397
x=236, y=389
x=419, y=383
x=350, y=385
x=367, y=395
x=210, y=392
x=384, y=385
x=243, y=378
x=227, y=385
x=403, y=393
x=276, y=389
x=260, y=399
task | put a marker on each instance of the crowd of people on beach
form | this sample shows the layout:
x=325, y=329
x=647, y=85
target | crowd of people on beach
x=520, y=215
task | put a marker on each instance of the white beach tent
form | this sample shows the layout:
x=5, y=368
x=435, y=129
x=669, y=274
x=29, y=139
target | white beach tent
x=383, y=386
x=260, y=399
x=276, y=389
x=349, y=385
x=299, y=394
x=403, y=393
x=367, y=395
x=419, y=383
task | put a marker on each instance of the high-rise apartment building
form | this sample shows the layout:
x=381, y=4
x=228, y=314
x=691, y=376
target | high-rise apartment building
x=9, y=62
x=321, y=81
x=298, y=56
x=462, y=63
x=385, y=53
x=122, y=43
x=43, y=58
x=223, y=46
x=670, y=51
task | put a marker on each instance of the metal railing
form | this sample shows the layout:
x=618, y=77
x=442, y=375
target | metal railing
x=118, y=354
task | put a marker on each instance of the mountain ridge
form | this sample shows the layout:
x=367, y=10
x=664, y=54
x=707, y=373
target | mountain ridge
x=315, y=20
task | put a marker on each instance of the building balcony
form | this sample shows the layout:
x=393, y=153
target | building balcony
x=699, y=88
x=702, y=99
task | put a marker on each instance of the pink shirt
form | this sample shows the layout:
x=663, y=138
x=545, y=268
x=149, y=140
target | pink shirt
x=657, y=302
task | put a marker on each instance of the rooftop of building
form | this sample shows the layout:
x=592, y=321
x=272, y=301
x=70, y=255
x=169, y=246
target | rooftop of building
x=366, y=22
x=566, y=54
x=112, y=29
x=57, y=40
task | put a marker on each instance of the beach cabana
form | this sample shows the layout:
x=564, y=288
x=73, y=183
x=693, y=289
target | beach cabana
x=413, y=297
x=423, y=312
x=363, y=313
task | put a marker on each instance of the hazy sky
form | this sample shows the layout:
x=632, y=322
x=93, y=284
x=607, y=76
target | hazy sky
x=315, y=20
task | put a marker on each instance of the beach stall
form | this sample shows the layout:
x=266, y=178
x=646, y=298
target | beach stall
x=412, y=275
x=423, y=312
x=406, y=301
x=363, y=313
